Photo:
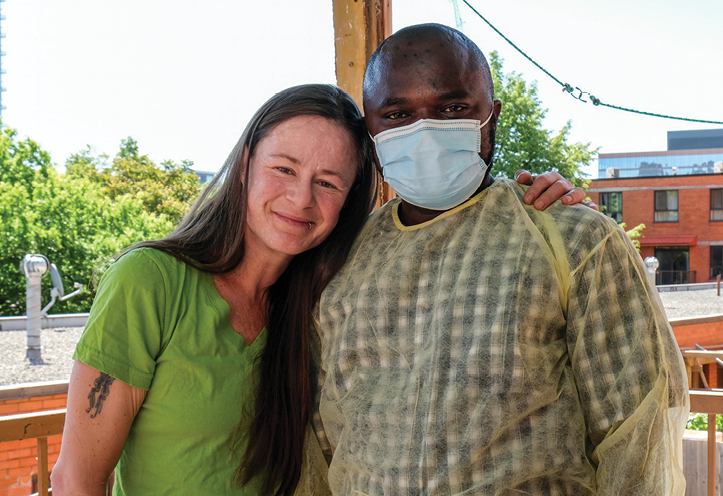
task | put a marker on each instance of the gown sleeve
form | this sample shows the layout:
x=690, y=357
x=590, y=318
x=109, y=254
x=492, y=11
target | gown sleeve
x=629, y=373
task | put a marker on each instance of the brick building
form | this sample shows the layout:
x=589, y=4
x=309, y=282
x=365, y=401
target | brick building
x=678, y=195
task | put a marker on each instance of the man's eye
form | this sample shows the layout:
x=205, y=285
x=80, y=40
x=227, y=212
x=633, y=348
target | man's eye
x=284, y=170
x=397, y=115
x=453, y=108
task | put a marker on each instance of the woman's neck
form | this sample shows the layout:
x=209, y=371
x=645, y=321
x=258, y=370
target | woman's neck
x=245, y=289
x=255, y=275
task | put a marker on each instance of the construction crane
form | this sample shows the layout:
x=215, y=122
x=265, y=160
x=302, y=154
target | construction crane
x=2, y=71
x=457, y=18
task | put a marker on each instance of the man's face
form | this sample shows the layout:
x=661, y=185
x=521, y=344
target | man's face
x=431, y=79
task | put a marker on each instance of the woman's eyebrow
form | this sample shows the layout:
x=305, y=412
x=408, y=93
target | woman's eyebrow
x=287, y=157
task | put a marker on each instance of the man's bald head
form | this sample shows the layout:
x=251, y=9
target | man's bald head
x=423, y=49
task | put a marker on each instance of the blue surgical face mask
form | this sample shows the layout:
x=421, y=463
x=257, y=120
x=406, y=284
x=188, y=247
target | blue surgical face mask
x=431, y=163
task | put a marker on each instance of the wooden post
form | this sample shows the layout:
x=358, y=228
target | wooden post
x=359, y=27
x=711, y=455
x=710, y=402
x=717, y=283
x=697, y=370
x=350, y=43
x=43, y=475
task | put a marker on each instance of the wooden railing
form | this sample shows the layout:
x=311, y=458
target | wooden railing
x=710, y=402
x=41, y=425
x=38, y=426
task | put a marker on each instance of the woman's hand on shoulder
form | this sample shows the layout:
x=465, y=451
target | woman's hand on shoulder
x=99, y=415
x=548, y=187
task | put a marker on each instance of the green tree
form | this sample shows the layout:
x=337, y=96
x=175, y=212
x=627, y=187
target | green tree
x=522, y=142
x=699, y=422
x=169, y=189
x=634, y=233
x=85, y=164
x=21, y=161
x=66, y=217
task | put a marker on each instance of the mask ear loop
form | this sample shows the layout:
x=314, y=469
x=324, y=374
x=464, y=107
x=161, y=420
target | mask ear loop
x=488, y=119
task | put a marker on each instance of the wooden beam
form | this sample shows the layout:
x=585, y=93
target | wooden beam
x=31, y=425
x=710, y=401
x=359, y=27
x=702, y=354
x=351, y=47
x=378, y=23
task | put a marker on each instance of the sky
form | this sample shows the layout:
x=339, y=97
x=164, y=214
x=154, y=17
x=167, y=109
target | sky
x=183, y=77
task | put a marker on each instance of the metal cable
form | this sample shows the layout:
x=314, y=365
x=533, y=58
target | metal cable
x=568, y=88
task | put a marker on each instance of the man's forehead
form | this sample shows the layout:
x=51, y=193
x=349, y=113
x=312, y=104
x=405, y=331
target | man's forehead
x=398, y=89
x=431, y=76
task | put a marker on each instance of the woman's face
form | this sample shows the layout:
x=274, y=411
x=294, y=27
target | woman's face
x=299, y=178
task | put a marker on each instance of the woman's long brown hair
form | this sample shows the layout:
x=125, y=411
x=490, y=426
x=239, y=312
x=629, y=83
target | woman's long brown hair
x=211, y=237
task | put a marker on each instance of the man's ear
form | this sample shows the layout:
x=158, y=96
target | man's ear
x=377, y=163
x=497, y=107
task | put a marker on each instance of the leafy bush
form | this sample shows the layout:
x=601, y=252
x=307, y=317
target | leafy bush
x=72, y=219
x=634, y=233
x=699, y=422
x=169, y=189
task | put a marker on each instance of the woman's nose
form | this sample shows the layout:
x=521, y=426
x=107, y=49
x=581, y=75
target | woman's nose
x=301, y=194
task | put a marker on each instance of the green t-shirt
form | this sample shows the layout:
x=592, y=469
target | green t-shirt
x=160, y=325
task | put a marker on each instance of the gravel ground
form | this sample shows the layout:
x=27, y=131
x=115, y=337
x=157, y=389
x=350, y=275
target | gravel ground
x=59, y=344
x=682, y=304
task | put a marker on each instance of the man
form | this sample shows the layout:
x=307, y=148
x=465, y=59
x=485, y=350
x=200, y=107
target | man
x=472, y=344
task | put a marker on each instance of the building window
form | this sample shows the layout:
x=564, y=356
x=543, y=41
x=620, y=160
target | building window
x=666, y=206
x=716, y=261
x=674, y=265
x=613, y=203
x=716, y=204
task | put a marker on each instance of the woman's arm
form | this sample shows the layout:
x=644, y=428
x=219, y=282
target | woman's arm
x=548, y=187
x=99, y=416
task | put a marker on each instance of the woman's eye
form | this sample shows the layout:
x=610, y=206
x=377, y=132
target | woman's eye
x=325, y=184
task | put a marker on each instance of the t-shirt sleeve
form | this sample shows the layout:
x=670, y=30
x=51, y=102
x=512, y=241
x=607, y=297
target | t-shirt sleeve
x=124, y=333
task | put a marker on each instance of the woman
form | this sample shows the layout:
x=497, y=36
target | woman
x=208, y=331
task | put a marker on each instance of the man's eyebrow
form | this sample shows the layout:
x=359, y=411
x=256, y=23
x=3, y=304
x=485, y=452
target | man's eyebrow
x=393, y=102
x=401, y=102
x=451, y=95
x=287, y=157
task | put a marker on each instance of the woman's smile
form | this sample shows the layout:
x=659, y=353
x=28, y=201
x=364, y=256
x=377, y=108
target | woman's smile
x=295, y=221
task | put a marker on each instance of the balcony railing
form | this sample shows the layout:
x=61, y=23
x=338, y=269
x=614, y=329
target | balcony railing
x=40, y=426
x=710, y=402
x=44, y=424
x=675, y=277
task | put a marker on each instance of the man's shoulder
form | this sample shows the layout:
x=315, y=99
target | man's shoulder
x=578, y=228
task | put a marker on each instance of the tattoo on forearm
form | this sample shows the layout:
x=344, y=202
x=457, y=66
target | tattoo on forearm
x=102, y=386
